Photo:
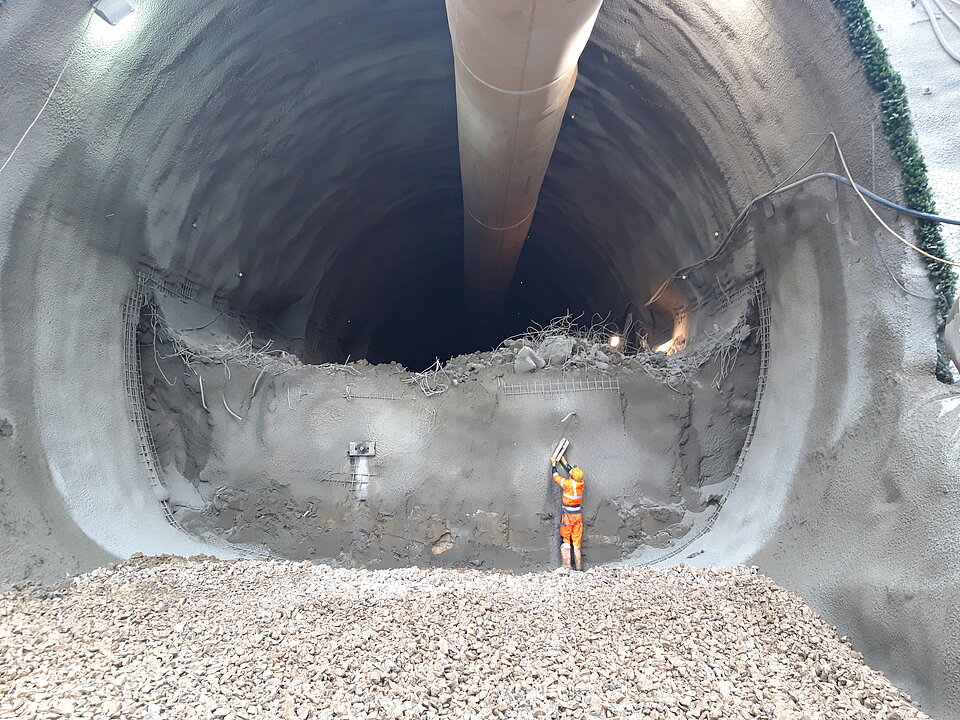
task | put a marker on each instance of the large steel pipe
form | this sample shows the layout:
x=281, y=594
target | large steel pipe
x=516, y=64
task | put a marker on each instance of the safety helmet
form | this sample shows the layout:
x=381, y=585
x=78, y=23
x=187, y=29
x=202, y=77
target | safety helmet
x=576, y=474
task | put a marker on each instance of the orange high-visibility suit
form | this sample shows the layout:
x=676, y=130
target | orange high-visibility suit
x=571, y=524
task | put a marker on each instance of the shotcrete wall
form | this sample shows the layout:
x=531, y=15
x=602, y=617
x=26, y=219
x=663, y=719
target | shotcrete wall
x=299, y=161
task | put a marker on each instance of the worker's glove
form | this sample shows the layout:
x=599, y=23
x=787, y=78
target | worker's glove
x=566, y=465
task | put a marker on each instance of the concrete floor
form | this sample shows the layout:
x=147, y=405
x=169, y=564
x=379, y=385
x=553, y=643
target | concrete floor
x=312, y=148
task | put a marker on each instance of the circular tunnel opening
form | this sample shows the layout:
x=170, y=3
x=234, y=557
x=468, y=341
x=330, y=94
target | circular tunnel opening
x=340, y=222
x=361, y=202
x=307, y=188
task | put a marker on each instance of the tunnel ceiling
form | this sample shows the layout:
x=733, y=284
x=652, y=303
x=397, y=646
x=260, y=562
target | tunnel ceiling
x=313, y=148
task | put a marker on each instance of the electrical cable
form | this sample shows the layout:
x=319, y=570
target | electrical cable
x=883, y=201
x=898, y=236
x=861, y=192
x=937, y=30
x=202, y=327
x=782, y=187
x=947, y=14
x=886, y=266
x=73, y=49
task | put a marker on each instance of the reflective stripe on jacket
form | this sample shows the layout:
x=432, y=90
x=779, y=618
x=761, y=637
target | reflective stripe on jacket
x=572, y=489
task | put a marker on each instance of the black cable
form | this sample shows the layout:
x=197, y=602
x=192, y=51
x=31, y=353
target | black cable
x=888, y=203
x=681, y=272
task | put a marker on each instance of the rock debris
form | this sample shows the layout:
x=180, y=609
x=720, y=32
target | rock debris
x=201, y=638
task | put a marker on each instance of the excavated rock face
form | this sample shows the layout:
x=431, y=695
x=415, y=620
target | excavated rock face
x=254, y=446
x=298, y=161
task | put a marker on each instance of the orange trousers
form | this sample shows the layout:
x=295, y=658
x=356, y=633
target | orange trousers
x=571, y=529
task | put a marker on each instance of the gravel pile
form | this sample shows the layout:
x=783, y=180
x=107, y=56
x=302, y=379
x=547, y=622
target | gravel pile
x=200, y=638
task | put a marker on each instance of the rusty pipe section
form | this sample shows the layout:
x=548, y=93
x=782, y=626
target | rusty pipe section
x=516, y=64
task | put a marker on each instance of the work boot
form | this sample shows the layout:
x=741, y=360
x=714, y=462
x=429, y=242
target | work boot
x=565, y=557
x=578, y=560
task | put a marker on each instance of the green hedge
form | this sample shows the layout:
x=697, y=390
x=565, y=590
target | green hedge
x=898, y=129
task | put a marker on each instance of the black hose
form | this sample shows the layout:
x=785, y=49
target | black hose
x=681, y=272
x=885, y=202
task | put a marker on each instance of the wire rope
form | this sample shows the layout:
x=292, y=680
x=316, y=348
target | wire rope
x=73, y=49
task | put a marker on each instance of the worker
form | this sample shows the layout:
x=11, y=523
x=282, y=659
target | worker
x=571, y=523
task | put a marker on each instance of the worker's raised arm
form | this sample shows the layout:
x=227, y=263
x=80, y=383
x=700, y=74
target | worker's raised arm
x=557, y=478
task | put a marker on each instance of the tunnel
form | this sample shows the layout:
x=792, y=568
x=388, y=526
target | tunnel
x=284, y=179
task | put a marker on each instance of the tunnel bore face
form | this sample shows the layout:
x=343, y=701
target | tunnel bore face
x=298, y=162
x=348, y=241
x=298, y=167
x=351, y=238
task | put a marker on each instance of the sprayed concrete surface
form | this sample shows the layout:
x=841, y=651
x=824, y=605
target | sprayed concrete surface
x=461, y=475
x=297, y=640
x=298, y=163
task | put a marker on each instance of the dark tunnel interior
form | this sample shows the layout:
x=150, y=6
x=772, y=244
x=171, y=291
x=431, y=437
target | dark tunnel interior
x=344, y=212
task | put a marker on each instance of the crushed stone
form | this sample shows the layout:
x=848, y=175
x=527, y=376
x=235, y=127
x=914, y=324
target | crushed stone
x=200, y=638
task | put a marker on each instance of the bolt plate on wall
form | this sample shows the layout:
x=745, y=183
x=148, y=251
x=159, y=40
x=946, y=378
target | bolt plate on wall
x=365, y=448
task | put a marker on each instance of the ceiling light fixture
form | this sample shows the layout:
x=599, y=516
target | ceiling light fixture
x=113, y=11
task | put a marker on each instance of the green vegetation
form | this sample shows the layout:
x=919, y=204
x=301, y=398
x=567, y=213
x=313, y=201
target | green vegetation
x=898, y=129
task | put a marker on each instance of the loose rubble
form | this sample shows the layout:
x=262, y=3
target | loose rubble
x=200, y=638
x=567, y=345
